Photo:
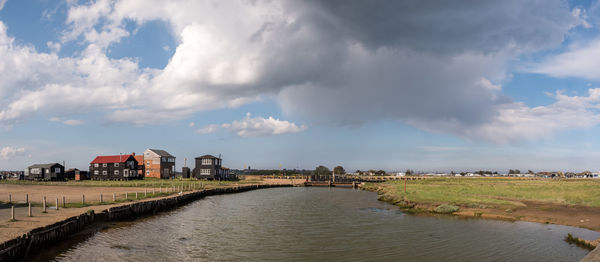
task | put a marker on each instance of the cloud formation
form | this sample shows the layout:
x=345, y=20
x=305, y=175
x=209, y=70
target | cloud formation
x=9, y=152
x=255, y=126
x=436, y=65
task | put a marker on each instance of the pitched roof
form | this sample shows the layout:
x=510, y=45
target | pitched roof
x=139, y=158
x=49, y=165
x=161, y=152
x=110, y=159
x=208, y=156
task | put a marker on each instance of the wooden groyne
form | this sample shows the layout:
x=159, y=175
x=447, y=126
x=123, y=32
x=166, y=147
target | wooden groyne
x=18, y=249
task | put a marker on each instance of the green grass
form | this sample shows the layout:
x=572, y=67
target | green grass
x=148, y=182
x=107, y=199
x=491, y=191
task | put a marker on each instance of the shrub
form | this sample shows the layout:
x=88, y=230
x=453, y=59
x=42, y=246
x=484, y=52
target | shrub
x=446, y=209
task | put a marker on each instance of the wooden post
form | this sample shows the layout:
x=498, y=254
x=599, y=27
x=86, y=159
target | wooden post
x=44, y=205
x=145, y=192
x=83, y=199
x=152, y=191
x=29, y=210
x=64, y=204
x=57, y=203
x=9, y=198
x=26, y=198
x=114, y=197
x=126, y=197
x=101, y=198
x=136, y=195
x=12, y=212
x=160, y=189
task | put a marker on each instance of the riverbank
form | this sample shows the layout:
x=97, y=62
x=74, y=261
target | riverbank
x=19, y=247
x=564, y=202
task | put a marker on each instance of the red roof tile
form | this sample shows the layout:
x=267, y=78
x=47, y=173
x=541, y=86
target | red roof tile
x=110, y=159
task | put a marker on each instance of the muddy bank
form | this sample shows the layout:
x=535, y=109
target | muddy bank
x=19, y=248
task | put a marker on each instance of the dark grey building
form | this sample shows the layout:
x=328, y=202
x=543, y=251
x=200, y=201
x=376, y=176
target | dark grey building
x=209, y=167
x=46, y=172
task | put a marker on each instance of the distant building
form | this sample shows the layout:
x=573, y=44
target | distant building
x=46, y=172
x=159, y=163
x=117, y=167
x=209, y=167
x=76, y=174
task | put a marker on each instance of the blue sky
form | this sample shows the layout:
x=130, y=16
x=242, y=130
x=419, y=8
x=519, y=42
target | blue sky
x=392, y=85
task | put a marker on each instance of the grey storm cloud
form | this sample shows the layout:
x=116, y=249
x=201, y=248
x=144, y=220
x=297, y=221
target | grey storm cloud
x=445, y=26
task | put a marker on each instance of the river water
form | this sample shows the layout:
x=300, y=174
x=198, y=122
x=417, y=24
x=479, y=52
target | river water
x=322, y=224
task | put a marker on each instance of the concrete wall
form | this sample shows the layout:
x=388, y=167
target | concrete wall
x=20, y=248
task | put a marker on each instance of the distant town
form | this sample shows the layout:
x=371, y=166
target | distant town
x=160, y=164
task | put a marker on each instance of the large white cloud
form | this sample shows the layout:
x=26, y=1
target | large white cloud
x=255, y=126
x=581, y=60
x=436, y=65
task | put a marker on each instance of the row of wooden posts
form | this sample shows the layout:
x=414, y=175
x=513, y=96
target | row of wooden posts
x=172, y=189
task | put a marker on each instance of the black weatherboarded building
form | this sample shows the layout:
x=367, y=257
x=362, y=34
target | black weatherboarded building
x=47, y=172
x=209, y=167
x=117, y=167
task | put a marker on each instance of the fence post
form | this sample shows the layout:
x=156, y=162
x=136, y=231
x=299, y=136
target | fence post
x=26, y=198
x=64, y=204
x=145, y=192
x=126, y=197
x=136, y=195
x=83, y=199
x=101, y=198
x=57, y=203
x=12, y=212
x=44, y=205
x=114, y=197
x=9, y=198
x=29, y=210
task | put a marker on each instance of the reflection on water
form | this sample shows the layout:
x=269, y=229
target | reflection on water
x=323, y=224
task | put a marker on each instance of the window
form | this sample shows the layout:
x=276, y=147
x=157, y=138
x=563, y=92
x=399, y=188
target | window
x=104, y=165
x=116, y=172
x=104, y=172
x=148, y=163
x=204, y=171
x=57, y=170
x=207, y=161
x=95, y=172
x=35, y=171
x=116, y=164
x=96, y=165
x=147, y=172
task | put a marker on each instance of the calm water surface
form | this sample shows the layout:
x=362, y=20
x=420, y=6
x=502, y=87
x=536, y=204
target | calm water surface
x=307, y=224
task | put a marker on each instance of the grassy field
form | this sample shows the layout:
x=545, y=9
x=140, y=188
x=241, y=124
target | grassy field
x=476, y=192
x=148, y=182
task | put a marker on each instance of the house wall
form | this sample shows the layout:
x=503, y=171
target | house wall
x=110, y=169
x=152, y=164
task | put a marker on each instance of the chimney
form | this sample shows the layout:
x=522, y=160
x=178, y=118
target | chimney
x=133, y=153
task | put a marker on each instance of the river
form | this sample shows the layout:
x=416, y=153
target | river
x=325, y=224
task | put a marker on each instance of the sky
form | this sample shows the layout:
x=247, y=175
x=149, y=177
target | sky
x=390, y=84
